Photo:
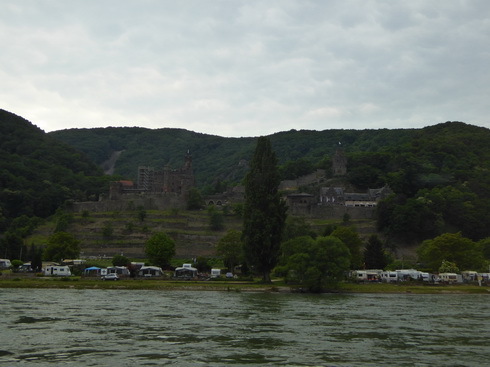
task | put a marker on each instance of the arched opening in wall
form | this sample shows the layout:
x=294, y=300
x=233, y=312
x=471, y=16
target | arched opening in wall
x=210, y=203
x=219, y=203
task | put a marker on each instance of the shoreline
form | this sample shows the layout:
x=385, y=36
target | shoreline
x=232, y=286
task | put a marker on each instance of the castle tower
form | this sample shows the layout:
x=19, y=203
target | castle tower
x=339, y=162
x=187, y=162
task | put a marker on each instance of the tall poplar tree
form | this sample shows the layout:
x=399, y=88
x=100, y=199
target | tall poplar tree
x=264, y=212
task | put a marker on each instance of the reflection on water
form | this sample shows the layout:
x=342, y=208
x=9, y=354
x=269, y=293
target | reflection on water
x=45, y=327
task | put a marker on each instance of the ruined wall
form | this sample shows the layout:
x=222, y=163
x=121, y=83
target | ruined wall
x=156, y=201
x=332, y=212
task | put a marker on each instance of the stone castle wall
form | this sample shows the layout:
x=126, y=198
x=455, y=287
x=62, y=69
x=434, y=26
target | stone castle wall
x=332, y=212
x=153, y=201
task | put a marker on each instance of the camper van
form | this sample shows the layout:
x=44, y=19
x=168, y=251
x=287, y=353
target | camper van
x=215, y=273
x=408, y=274
x=389, y=276
x=58, y=270
x=5, y=264
x=469, y=276
x=449, y=278
x=367, y=275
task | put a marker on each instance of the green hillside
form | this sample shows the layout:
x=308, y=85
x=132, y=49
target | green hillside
x=216, y=158
x=38, y=173
x=440, y=174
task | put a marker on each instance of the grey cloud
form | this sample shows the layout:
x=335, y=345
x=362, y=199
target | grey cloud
x=245, y=68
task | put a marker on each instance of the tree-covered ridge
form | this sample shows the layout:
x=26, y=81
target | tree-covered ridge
x=442, y=184
x=218, y=158
x=38, y=173
x=214, y=156
x=440, y=174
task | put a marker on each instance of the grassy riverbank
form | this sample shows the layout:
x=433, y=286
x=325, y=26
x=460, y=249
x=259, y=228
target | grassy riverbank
x=229, y=285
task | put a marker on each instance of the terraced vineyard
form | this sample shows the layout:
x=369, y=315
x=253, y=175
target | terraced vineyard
x=110, y=233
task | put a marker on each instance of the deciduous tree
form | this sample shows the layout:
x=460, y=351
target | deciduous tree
x=350, y=237
x=230, y=248
x=61, y=245
x=453, y=247
x=314, y=263
x=160, y=249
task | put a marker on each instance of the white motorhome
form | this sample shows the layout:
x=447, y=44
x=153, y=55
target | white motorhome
x=408, y=274
x=5, y=264
x=389, y=276
x=58, y=270
x=449, y=278
x=469, y=276
x=215, y=273
x=367, y=275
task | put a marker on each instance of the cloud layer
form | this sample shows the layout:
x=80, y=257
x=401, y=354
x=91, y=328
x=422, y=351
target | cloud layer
x=245, y=68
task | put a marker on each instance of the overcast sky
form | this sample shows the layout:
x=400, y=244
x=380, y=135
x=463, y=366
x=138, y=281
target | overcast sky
x=245, y=68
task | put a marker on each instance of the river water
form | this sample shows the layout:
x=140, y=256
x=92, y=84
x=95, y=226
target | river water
x=54, y=327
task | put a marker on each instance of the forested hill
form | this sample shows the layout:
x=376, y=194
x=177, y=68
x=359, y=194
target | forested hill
x=440, y=174
x=38, y=173
x=218, y=158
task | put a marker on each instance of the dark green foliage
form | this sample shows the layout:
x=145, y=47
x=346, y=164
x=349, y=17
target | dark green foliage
x=448, y=155
x=202, y=264
x=38, y=174
x=195, y=201
x=293, y=169
x=374, y=254
x=351, y=239
x=23, y=226
x=107, y=230
x=453, y=247
x=63, y=221
x=485, y=245
x=264, y=211
x=440, y=174
x=120, y=260
x=11, y=246
x=36, y=257
x=160, y=249
x=16, y=263
x=61, y=245
x=141, y=214
x=230, y=249
x=219, y=160
x=448, y=267
x=129, y=227
x=314, y=263
x=297, y=227
x=216, y=219
x=329, y=229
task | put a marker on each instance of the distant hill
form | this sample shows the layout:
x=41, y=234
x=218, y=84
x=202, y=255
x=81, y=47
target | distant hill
x=217, y=158
x=38, y=173
x=440, y=174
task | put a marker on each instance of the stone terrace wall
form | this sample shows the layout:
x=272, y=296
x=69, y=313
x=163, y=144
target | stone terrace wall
x=159, y=201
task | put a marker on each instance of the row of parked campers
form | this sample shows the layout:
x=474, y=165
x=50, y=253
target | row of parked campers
x=409, y=274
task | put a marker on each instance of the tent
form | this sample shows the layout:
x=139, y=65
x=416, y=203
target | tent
x=185, y=272
x=92, y=271
x=150, y=271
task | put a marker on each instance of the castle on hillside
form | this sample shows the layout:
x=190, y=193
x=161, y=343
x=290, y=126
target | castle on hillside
x=153, y=190
x=152, y=181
